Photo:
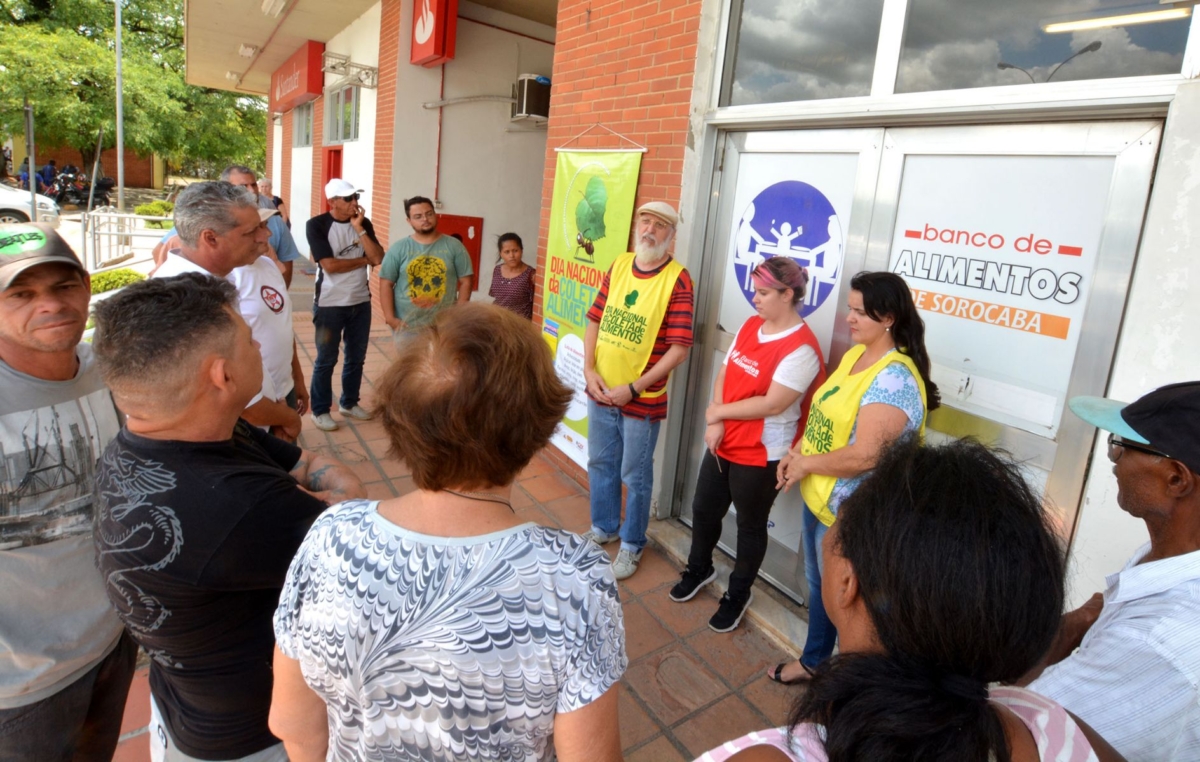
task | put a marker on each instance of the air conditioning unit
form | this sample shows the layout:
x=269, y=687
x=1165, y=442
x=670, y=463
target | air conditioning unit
x=532, y=94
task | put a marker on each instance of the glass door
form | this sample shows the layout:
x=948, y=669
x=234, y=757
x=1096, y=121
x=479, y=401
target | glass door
x=1018, y=242
x=805, y=195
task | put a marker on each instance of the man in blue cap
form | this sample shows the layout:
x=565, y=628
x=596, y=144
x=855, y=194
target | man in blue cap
x=1135, y=677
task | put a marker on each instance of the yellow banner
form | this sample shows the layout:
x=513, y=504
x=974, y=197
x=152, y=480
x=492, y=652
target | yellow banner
x=590, y=216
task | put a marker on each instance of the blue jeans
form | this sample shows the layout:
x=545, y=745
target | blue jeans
x=822, y=635
x=333, y=325
x=620, y=450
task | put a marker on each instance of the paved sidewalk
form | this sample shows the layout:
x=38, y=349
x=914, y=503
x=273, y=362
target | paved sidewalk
x=687, y=688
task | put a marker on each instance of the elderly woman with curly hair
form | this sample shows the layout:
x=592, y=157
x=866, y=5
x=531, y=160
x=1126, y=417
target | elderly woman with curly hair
x=440, y=625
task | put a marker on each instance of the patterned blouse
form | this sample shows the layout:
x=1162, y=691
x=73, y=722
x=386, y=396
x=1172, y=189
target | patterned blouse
x=448, y=648
x=514, y=294
x=896, y=386
x=1057, y=736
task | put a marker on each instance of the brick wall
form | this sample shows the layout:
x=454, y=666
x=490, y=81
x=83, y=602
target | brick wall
x=385, y=117
x=385, y=134
x=139, y=170
x=318, y=158
x=627, y=64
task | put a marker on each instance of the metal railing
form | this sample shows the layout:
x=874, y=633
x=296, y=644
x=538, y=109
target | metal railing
x=112, y=238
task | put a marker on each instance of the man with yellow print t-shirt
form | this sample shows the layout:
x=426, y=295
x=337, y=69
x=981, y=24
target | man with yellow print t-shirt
x=639, y=329
x=423, y=273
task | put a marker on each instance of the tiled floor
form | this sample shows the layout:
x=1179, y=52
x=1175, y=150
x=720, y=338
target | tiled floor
x=687, y=688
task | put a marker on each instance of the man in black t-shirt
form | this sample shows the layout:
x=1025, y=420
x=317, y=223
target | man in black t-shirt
x=343, y=244
x=198, y=513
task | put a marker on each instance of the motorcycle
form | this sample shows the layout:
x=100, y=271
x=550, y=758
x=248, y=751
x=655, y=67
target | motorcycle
x=73, y=188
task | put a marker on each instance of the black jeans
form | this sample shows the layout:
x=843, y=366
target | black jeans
x=335, y=325
x=80, y=723
x=751, y=489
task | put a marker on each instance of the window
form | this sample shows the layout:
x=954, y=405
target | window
x=302, y=125
x=804, y=50
x=953, y=44
x=342, y=106
x=800, y=50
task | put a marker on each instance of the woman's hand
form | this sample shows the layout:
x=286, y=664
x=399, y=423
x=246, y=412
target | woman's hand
x=713, y=434
x=712, y=414
x=789, y=471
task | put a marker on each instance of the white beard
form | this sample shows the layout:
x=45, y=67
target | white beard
x=648, y=254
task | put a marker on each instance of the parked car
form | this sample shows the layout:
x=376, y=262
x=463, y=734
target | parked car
x=14, y=207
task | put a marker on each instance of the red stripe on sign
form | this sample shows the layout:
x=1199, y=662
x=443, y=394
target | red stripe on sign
x=1071, y=251
x=912, y=233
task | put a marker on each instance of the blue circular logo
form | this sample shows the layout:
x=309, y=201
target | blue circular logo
x=791, y=219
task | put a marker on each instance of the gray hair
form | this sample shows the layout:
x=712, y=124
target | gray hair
x=265, y=182
x=238, y=169
x=209, y=206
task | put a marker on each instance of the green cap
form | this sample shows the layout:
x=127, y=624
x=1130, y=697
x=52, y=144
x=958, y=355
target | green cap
x=28, y=244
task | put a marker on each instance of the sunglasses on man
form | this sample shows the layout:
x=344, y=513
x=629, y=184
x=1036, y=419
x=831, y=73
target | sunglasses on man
x=352, y=197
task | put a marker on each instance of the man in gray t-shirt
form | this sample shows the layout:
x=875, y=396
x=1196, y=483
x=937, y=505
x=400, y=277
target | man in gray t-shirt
x=424, y=273
x=65, y=660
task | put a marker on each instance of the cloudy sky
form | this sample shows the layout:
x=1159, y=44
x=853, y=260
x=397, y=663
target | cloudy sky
x=807, y=49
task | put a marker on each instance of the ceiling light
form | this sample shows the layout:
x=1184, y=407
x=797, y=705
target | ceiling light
x=1150, y=15
x=273, y=7
x=232, y=76
x=247, y=51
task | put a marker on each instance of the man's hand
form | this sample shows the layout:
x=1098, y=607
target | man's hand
x=596, y=387
x=356, y=219
x=713, y=434
x=394, y=323
x=621, y=395
x=301, y=398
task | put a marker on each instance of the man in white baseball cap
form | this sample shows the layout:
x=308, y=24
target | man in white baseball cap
x=343, y=244
x=639, y=329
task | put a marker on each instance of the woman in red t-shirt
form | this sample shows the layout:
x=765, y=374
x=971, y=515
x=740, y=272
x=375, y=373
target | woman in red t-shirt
x=759, y=403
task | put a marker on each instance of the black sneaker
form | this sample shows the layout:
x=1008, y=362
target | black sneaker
x=691, y=583
x=730, y=612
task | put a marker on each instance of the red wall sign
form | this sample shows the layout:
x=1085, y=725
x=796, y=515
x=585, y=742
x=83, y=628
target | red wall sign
x=299, y=80
x=435, y=26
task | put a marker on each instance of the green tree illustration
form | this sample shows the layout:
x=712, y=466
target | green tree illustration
x=589, y=213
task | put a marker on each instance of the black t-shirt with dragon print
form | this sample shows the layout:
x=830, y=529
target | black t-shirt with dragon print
x=194, y=540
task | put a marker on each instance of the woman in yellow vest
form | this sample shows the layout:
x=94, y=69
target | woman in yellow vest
x=880, y=392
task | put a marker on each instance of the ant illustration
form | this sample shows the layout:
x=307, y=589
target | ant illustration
x=586, y=244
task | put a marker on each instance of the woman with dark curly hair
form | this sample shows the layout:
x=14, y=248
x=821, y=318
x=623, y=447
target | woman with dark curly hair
x=944, y=577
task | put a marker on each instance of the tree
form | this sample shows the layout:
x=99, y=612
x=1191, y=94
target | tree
x=61, y=55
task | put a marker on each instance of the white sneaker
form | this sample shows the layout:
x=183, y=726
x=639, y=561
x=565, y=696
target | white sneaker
x=324, y=422
x=599, y=537
x=626, y=563
x=356, y=412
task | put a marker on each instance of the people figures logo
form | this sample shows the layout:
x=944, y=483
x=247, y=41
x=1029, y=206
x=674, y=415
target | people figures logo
x=791, y=219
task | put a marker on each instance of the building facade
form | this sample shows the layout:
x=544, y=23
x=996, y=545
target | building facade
x=1030, y=168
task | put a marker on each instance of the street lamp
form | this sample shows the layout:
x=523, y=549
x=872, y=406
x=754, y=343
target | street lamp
x=1005, y=65
x=1091, y=47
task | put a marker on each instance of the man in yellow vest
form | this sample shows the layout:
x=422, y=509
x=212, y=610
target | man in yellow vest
x=639, y=329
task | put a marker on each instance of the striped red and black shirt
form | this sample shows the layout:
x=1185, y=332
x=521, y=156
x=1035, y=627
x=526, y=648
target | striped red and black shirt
x=676, y=328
